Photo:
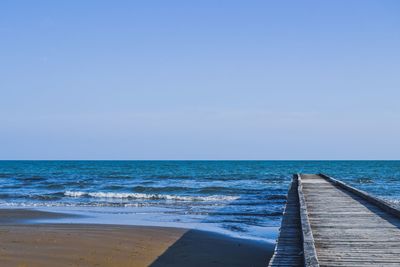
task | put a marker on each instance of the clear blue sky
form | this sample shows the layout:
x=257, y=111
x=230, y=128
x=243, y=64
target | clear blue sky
x=203, y=79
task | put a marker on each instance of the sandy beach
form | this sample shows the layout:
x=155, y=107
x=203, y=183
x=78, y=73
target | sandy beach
x=42, y=245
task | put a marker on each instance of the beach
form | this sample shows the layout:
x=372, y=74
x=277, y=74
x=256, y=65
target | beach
x=157, y=213
x=45, y=245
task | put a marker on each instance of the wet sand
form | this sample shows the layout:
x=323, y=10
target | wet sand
x=45, y=245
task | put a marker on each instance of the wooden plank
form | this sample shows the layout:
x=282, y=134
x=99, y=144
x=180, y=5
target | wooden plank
x=289, y=249
x=328, y=223
x=309, y=251
x=386, y=206
x=350, y=227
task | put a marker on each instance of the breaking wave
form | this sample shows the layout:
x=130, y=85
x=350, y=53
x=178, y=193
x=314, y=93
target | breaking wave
x=148, y=196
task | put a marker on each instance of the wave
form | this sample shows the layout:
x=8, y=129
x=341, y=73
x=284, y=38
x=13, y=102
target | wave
x=229, y=190
x=151, y=189
x=165, y=176
x=52, y=186
x=53, y=196
x=148, y=196
x=71, y=204
x=395, y=202
x=276, y=197
x=34, y=178
x=365, y=180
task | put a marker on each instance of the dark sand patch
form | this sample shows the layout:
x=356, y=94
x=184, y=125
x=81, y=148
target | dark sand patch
x=27, y=215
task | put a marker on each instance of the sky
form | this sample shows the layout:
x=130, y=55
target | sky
x=201, y=79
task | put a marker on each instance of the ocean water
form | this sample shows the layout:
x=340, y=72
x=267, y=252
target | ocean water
x=239, y=198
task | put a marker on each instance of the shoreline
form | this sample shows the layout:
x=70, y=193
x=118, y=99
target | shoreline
x=139, y=216
x=54, y=244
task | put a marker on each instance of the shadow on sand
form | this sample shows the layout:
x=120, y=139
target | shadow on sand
x=200, y=248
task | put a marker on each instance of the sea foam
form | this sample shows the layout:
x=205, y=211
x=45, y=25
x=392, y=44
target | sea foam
x=148, y=196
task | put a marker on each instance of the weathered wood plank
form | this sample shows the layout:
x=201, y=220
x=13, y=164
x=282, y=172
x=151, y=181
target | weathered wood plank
x=350, y=227
x=310, y=254
x=328, y=223
x=289, y=249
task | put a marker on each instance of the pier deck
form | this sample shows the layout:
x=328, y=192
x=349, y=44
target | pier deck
x=342, y=226
x=289, y=249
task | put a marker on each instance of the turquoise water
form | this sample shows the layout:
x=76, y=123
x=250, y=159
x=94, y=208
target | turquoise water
x=242, y=198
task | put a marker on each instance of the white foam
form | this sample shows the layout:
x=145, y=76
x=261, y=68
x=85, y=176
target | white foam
x=74, y=194
x=148, y=196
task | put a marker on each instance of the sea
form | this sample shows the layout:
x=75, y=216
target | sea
x=239, y=198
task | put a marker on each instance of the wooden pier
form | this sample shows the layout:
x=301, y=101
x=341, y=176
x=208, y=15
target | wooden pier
x=329, y=223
